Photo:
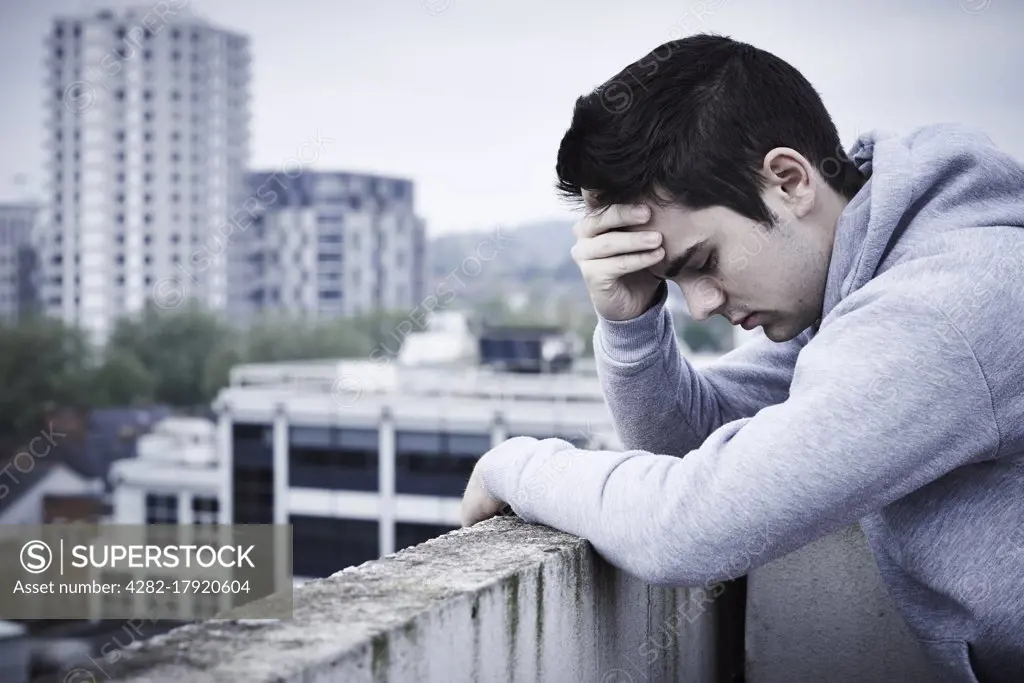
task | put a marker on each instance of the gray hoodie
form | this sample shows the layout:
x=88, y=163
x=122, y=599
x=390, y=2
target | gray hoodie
x=902, y=408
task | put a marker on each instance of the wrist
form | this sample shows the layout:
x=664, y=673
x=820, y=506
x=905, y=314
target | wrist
x=636, y=339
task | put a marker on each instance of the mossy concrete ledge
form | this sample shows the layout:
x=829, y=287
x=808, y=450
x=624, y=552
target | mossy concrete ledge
x=501, y=601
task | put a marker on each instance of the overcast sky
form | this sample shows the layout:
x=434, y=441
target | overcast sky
x=469, y=98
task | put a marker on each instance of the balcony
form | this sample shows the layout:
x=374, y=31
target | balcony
x=507, y=601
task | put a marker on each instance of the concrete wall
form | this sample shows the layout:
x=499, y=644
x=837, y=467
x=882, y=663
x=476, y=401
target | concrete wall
x=822, y=614
x=502, y=601
x=14, y=653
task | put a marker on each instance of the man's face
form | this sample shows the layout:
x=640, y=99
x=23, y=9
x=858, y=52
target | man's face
x=740, y=268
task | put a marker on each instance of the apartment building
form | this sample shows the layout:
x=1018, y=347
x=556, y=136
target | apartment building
x=18, y=261
x=148, y=139
x=328, y=244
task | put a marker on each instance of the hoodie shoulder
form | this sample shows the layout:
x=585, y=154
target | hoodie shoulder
x=948, y=134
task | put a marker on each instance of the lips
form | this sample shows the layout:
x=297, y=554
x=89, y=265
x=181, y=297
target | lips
x=750, y=322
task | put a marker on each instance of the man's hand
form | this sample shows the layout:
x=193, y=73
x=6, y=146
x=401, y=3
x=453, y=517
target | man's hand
x=614, y=262
x=477, y=505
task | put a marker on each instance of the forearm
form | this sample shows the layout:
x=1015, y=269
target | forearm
x=658, y=401
x=631, y=506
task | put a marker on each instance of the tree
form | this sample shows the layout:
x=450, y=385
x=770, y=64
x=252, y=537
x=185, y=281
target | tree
x=41, y=361
x=174, y=346
x=122, y=380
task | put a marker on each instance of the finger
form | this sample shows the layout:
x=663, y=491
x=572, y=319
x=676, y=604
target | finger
x=614, y=267
x=615, y=243
x=611, y=218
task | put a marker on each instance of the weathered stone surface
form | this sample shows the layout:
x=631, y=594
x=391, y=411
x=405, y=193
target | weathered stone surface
x=501, y=601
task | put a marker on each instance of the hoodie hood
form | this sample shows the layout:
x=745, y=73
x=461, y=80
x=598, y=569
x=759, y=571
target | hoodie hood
x=949, y=175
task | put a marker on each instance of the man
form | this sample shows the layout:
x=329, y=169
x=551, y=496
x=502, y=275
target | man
x=887, y=388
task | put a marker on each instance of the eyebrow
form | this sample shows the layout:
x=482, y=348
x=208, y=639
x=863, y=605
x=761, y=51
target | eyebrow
x=681, y=261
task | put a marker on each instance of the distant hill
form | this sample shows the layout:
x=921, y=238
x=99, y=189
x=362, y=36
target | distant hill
x=532, y=250
x=534, y=260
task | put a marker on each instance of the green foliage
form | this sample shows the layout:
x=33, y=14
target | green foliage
x=174, y=346
x=41, y=362
x=122, y=380
x=178, y=357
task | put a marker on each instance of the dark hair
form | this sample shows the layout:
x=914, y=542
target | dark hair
x=696, y=117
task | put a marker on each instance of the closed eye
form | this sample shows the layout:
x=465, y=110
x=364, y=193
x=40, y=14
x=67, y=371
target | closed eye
x=710, y=264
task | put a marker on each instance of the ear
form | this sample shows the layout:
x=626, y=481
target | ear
x=788, y=173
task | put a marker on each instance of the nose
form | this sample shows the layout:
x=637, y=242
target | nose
x=703, y=297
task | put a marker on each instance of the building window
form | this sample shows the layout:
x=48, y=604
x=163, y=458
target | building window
x=254, y=495
x=413, y=533
x=335, y=458
x=161, y=508
x=205, y=510
x=253, y=475
x=322, y=546
x=436, y=463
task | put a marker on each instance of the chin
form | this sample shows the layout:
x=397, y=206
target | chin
x=778, y=334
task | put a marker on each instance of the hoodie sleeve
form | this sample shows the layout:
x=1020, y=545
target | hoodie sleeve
x=660, y=403
x=885, y=399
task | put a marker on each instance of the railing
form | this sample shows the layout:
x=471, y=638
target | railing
x=501, y=601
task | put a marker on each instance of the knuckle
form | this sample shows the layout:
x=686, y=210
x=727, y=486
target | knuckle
x=581, y=252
